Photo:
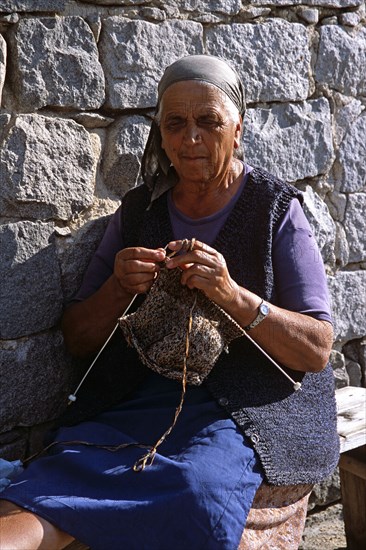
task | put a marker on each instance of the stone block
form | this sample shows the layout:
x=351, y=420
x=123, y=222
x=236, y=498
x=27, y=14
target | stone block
x=341, y=378
x=311, y=16
x=55, y=64
x=272, y=58
x=347, y=292
x=2, y=64
x=9, y=6
x=134, y=55
x=326, y=492
x=351, y=157
x=355, y=226
x=228, y=7
x=292, y=141
x=322, y=225
x=345, y=116
x=354, y=373
x=336, y=203
x=123, y=151
x=73, y=263
x=35, y=380
x=350, y=19
x=339, y=53
x=46, y=168
x=30, y=290
x=355, y=351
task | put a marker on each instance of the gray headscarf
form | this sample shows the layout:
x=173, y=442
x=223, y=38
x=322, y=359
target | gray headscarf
x=156, y=169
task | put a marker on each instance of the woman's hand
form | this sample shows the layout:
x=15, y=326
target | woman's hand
x=205, y=268
x=136, y=268
x=87, y=324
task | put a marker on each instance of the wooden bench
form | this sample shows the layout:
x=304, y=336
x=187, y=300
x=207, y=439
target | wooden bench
x=351, y=406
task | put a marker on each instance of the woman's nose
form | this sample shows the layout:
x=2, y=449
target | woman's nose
x=192, y=133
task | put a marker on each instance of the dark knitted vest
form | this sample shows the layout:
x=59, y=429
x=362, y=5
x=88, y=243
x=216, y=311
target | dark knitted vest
x=294, y=433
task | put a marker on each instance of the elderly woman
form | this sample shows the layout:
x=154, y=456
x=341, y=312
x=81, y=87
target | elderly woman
x=247, y=440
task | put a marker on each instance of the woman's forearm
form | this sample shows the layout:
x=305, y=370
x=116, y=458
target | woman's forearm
x=295, y=340
x=86, y=325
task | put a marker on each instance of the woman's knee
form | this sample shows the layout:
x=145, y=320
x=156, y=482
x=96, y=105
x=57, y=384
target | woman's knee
x=20, y=529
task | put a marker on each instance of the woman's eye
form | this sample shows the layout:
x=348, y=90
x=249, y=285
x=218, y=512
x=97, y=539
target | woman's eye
x=208, y=122
x=174, y=123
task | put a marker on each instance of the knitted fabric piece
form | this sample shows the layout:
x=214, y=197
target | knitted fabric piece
x=158, y=329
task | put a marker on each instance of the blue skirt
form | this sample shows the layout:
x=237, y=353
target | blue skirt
x=196, y=494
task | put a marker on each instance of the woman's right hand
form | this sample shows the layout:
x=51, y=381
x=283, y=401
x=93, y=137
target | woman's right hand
x=136, y=268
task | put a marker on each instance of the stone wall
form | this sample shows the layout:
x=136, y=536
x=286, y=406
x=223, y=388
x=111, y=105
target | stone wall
x=77, y=88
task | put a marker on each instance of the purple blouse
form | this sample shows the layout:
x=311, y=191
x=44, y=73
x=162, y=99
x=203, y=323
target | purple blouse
x=300, y=280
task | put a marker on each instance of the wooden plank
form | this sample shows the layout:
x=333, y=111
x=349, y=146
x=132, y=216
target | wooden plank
x=350, y=397
x=352, y=441
x=353, y=490
x=351, y=420
x=352, y=465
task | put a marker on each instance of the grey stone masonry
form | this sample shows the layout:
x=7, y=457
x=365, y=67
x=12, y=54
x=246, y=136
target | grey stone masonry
x=73, y=263
x=355, y=226
x=339, y=52
x=292, y=140
x=55, y=63
x=348, y=291
x=134, y=54
x=351, y=158
x=28, y=263
x=46, y=168
x=323, y=227
x=124, y=147
x=273, y=58
x=39, y=364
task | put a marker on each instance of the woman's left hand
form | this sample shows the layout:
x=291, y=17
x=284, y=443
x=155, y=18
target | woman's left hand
x=204, y=268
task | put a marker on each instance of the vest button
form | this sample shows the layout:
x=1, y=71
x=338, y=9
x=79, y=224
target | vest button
x=254, y=438
x=223, y=401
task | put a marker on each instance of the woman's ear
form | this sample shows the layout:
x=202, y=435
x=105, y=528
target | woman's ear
x=238, y=133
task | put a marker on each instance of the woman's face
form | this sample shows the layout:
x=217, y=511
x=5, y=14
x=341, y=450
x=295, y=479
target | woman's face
x=199, y=130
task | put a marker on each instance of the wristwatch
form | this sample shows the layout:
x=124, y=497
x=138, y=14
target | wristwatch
x=262, y=314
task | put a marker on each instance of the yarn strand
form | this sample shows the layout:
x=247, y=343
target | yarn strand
x=148, y=458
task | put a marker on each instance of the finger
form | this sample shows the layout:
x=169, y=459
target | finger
x=196, y=256
x=136, y=266
x=138, y=283
x=189, y=245
x=197, y=276
x=140, y=253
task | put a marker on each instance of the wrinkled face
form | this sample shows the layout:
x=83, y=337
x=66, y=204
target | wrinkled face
x=200, y=129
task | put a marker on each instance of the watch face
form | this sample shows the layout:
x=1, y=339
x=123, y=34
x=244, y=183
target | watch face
x=264, y=309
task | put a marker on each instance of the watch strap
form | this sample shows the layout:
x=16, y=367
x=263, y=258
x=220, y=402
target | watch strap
x=260, y=316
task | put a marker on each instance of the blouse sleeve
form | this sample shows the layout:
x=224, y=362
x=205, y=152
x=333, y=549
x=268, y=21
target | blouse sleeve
x=102, y=264
x=299, y=274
